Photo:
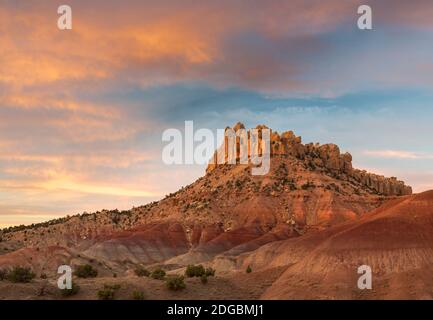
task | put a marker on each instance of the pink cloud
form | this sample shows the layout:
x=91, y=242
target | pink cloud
x=399, y=154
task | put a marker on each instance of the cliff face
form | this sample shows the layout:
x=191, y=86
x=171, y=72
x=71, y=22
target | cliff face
x=326, y=157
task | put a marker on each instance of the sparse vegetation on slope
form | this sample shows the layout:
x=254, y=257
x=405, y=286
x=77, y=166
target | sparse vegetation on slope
x=20, y=275
x=158, y=274
x=142, y=272
x=70, y=292
x=175, y=283
x=195, y=271
x=108, y=292
x=198, y=271
x=85, y=271
x=138, y=295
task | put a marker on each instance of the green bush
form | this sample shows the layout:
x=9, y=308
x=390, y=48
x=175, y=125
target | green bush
x=195, y=271
x=138, y=295
x=108, y=292
x=70, y=292
x=199, y=271
x=142, y=272
x=3, y=274
x=209, y=272
x=203, y=279
x=85, y=271
x=175, y=283
x=22, y=275
x=249, y=270
x=158, y=274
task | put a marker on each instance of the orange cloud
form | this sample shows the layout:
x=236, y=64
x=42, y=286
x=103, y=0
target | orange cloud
x=60, y=140
x=180, y=38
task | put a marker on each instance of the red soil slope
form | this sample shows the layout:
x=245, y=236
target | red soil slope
x=395, y=240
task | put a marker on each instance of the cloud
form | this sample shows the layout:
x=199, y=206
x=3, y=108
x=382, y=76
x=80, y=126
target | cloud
x=399, y=154
x=81, y=111
x=267, y=46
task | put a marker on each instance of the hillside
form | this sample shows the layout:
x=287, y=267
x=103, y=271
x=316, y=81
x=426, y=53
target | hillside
x=228, y=219
x=395, y=240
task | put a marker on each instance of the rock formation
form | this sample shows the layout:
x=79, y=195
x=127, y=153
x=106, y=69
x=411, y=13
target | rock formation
x=326, y=157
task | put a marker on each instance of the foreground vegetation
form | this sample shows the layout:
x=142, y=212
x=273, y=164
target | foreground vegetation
x=17, y=275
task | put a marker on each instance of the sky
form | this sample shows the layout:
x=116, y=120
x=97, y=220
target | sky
x=82, y=111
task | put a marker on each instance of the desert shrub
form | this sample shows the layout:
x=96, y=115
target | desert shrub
x=70, y=292
x=195, y=271
x=44, y=276
x=158, y=274
x=3, y=274
x=249, y=270
x=142, y=272
x=203, y=279
x=85, y=271
x=20, y=274
x=209, y=272
x=175, y=283
x=138, y=295
x=108, y=292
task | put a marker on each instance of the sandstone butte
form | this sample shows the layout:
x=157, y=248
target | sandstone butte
x=326, y=156
x=303, y=228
